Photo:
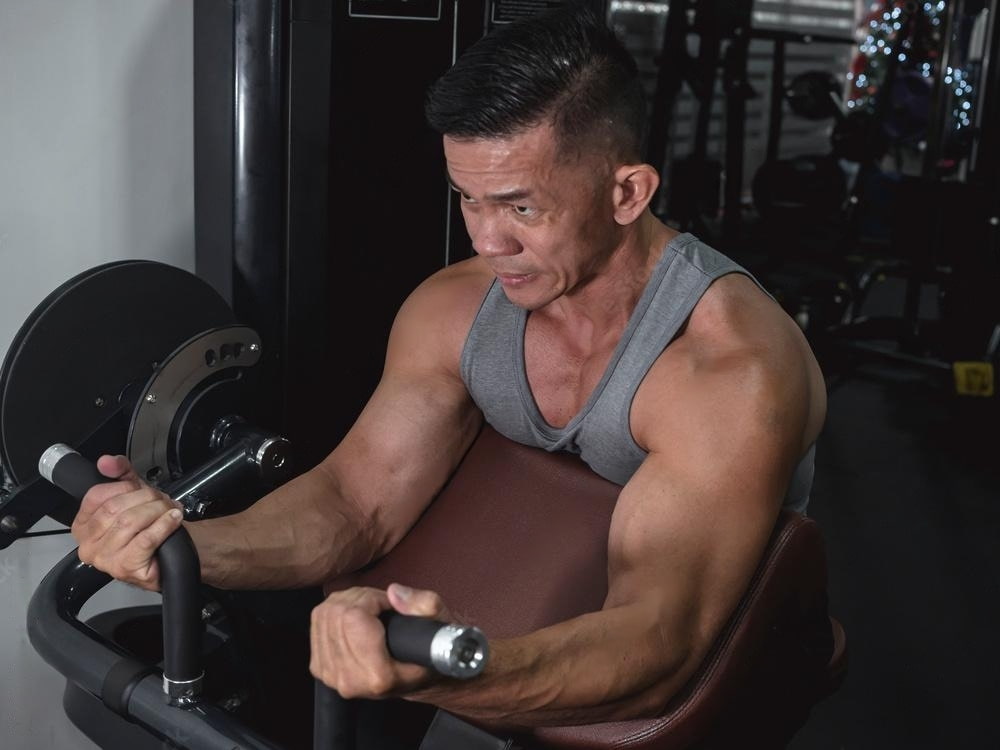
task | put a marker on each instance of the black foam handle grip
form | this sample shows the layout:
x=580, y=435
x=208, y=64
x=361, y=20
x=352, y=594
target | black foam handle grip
x=454, y=650
x=75, y=475
x=180, y=571
x=409, y=638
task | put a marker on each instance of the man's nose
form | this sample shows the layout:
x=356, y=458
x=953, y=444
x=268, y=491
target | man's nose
x=490, y=239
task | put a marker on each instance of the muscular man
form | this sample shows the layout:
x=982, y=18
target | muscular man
x=583, y=324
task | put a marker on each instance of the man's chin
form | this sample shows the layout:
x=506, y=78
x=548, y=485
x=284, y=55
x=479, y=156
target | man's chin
x=525, y=301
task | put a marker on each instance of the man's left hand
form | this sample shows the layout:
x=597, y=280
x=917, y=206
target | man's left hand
x=349, y=652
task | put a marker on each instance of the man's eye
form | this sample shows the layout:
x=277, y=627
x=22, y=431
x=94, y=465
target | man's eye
x=524, y=210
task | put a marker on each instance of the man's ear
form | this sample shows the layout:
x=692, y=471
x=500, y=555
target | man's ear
x=635, y=186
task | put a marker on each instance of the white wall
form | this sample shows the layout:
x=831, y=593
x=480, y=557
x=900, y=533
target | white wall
x=95, y=165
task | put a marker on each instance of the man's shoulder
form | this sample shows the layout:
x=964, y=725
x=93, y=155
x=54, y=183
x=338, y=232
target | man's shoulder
x=455, y=292
x=734, y=318
x=439, y=313
x=461, y=279
x=739, y=350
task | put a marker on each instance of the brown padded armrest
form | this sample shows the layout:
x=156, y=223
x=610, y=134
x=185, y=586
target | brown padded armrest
x=517, y=540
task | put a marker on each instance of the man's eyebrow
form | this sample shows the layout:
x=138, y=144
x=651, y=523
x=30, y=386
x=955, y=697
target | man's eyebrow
x=505, y=196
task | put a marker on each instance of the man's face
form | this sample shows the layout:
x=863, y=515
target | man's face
x=543, y=222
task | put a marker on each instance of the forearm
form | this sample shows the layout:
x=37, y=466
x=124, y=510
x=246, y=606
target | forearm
x=300, y=535
x=610, y=665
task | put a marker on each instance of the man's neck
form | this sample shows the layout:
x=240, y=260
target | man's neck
x=605, y=303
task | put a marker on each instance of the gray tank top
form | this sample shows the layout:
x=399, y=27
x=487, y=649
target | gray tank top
x=494, y=371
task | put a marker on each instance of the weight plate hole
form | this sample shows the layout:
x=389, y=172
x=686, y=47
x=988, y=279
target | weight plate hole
x=238, y=349
x=154, y=474
x=225, y=352
x=210, y=358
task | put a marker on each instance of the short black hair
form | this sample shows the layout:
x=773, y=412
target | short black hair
x=564, y=66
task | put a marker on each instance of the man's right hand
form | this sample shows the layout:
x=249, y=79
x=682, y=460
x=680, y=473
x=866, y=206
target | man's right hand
x=121, y=524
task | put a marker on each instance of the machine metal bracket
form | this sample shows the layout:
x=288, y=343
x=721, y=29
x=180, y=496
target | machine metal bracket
x=175, y=379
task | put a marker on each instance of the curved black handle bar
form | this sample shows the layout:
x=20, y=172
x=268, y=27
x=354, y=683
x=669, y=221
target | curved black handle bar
x=93, y=662
x=180, y=578
x=105, y=670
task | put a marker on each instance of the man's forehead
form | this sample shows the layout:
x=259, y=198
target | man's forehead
x=538, y=142
x=498, y=192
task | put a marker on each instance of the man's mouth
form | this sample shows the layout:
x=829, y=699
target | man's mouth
x=513, y=279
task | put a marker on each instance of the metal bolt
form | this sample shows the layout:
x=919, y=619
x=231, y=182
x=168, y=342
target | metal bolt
x=210, y=610
x=854, y=200
x=255, y=347
x=99, y=402
x=9, y=525
x=150, y=398
x=995, y=221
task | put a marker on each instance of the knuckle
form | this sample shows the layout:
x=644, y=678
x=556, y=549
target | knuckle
x=147, y=494
x=102, y=563
x=353, y=621
x=348, y=691
x=121, y=522
x=380, y=681
x=144, y=578
x=435, y=601
x=316, y=670
x=351, y=615
x=107, y=510
x=327, y=612
x=86, y=554
x=148, y=538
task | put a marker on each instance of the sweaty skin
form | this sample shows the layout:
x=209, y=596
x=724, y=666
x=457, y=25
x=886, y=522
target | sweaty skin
x=725, y=414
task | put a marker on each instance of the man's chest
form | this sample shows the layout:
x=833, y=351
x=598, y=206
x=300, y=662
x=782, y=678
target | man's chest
x=563, y=376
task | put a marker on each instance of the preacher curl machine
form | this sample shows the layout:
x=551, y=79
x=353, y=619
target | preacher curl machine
x=157, y=386
x=143, y=359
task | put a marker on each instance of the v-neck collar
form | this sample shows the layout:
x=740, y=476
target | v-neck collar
x=642, y=306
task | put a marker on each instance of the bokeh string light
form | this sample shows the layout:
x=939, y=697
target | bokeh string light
x=915, y=44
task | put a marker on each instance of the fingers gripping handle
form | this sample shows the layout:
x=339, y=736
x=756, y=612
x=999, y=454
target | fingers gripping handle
x=454, y=650
x=180, y=579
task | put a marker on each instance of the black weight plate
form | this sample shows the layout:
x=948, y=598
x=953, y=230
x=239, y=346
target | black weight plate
x=85, y=343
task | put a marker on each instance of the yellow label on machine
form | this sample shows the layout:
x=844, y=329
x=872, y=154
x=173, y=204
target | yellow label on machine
x=973, y=378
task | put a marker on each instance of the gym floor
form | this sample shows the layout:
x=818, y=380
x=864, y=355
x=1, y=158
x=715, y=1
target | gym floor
x=906, y=493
